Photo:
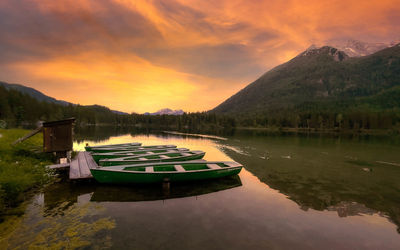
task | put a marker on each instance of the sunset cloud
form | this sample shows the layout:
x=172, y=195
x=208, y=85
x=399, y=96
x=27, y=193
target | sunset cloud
x=139, y=56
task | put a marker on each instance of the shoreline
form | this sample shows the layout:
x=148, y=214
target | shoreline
x=23, y=170
x=325, y=131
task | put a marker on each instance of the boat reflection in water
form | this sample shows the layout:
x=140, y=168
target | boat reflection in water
x=69, y=193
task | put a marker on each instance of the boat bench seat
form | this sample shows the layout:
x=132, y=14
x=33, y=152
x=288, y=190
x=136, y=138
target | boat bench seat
x=213, y=166
x=179, y=168
x=233, y=164
x=149, y=169
x=142, y=158
x=164, y=156
x=186, y=154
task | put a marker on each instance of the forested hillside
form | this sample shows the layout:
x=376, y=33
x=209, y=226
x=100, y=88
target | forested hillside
x=18, y=109
x=323, y=88
x=32, y=92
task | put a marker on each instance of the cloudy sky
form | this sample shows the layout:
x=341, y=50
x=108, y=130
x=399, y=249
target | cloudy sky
x=138, y=56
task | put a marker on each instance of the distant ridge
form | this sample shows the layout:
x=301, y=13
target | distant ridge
x=166, y=111
x=32, y=92
x=44, y=98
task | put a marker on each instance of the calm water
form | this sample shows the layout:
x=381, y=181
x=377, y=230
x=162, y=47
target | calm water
x=295, y=192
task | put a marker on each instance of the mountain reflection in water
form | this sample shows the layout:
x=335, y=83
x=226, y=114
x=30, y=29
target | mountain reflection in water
x=325, y=173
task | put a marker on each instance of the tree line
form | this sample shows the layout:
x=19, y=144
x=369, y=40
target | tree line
x=19, y=109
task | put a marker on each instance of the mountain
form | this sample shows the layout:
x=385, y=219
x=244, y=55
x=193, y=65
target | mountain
x=355, y=48
x=33, y=92
x=166, y=111
x=99, y=109
x=320, y=79
x=44, y=98
x=119, y=112
x=18, y=108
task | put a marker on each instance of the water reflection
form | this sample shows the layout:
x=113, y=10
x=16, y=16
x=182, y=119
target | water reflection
x=345, y=209
x=62, y=195
x=74, y=226
x=325, y=173
x=98, y=134
x=296, y=192
x=317, y=171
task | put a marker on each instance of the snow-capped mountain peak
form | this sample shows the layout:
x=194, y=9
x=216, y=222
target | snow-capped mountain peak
x=356, y=48
x=167, y=111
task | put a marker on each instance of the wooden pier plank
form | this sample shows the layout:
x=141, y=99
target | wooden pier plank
x=90, y=161
x=83, y=166
x=79, y=167
x=74, y=172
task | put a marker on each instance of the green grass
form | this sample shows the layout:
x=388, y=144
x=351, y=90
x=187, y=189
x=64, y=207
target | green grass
x=22, y=167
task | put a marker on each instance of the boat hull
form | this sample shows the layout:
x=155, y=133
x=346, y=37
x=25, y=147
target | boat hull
x=121, y=177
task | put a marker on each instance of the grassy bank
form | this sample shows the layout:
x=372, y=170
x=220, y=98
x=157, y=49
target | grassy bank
x=22, y=168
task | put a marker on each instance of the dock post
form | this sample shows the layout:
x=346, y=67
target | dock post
x=166, y=186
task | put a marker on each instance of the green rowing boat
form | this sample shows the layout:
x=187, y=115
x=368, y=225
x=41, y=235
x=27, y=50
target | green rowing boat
x=158, y=157
x=132, y=144
x=128, y=148
x=98, y=156
x=165, y=171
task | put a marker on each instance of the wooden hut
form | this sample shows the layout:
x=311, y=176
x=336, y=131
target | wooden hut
x=58, y=137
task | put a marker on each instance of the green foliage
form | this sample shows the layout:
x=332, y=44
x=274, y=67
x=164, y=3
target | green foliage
x=21, y=168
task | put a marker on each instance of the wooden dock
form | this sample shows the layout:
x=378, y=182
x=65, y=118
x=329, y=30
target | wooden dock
x=80, y=166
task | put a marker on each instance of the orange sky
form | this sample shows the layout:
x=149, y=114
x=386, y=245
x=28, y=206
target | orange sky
x=138, y=56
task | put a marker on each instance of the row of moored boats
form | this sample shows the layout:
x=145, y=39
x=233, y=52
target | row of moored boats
x=134, y=163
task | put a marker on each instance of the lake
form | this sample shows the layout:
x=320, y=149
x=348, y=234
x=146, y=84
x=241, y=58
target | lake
x=295, y=192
